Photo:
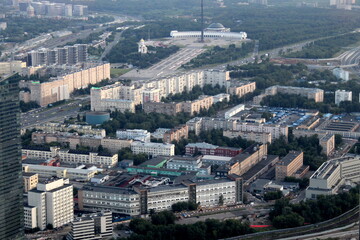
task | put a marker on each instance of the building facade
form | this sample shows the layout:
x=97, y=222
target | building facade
x=342, y=95
x=261, y=137
x=288, y=165
x=153, y=149
x=11, y=200
x=30, y=180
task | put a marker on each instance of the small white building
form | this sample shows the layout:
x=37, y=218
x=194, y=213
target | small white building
x=342, y=95
x=134, y=134
x=142, y=47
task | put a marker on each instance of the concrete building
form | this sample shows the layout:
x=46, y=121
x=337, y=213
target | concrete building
x=30, y=217
x=53, y=200
x=288, y=165
x=59, y=127
x=60, y=172
x=342, y=95
x=60, y=88
x=233, y=111
x=341, y=74
x=91, y=227
x=134, y=134
x=187, y=163
x=275, y=130
x=209, y=149
x=240, y=89
x=30, y=180
x=151, y=95
x=68, y=157
x=311, y=93
x=140, y=200
x=327, y=143
x=260, y=137
x=11, y=67
x=176, y=134
x=331, y=175
x=153, y=149
x=216, y=160
x=199, y=124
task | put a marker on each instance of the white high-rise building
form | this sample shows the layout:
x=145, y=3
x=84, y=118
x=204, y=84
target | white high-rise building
x=341, y=74
x=342, y=95
x=54, y=204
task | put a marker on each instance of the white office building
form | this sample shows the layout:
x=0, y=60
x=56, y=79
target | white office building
x=341, y=74
x=154, y=149
x=53, y=200
x=342, y=95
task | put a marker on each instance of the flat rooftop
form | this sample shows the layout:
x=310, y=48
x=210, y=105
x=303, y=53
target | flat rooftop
x=289, y=157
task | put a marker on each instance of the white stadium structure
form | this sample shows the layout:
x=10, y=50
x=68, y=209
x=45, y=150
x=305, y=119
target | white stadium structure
x=215, y=30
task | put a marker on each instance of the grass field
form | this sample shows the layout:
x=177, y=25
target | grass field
x=116, y=72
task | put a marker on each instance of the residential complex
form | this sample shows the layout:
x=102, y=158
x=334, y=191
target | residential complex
x=240, y=89
x=11, y=200
x=331, y=175
x=68, y=55
x=59, y=127
x=60, y=87
x=176, y=134
x=342, y=96
x=53, y=200
x=11, y=67
x=91, y=226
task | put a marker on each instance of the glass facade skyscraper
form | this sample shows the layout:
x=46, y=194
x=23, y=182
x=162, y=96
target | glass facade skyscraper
x=11, y=199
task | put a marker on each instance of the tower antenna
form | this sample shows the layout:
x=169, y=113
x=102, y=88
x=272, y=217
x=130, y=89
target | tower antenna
x=202, y=21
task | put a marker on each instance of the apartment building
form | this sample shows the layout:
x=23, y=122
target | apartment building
x=30, y=217
x=11, y=67
x=91, y=226
x=311, y=93
x=275, y=130
x=30, y=180
x=60, y=172
x=260, y=137
x=171, y=108
x=327, y=143
x=242, y=162
x=53, y=200
x=60, y=88
x=68, y=157
x=289, y=164
x=332, y=174
x=176, y=134
x=342, y=95
x=151, y=95
x=199, y=124
x=182, y=162
x=203, y=102
x=240, y=89
x=134, y=134
x=153, y=149
x=209, y=149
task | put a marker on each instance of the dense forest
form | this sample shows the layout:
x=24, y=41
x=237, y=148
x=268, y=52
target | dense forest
x=287, y=215
x=162, y=227
x=326, y=48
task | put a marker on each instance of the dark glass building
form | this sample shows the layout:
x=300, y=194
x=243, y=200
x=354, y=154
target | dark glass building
x=11, y=200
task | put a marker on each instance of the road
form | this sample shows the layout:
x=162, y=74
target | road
x=111, y=45
x=57, y=113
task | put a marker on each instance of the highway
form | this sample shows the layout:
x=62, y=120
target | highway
x=57, y=113
x=111, y=45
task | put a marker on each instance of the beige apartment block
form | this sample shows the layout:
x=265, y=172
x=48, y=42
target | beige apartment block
x=241, y=88
x=311, y=93
x=176, y=134
x=328, y=144
x=289, y=164
x=30, y=181
x=261, y=137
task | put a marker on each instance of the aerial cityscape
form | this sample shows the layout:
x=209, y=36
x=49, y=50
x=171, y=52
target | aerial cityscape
x=180, y=119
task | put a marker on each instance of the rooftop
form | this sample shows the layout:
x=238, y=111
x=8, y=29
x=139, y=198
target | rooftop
x=289, y=157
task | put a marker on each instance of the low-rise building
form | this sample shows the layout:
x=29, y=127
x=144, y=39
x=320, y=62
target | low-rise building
x=327, y=143
x=30, y=180
x=60, y=172
x=209, y=149
x=311, y=93
x=134, y=134
x=260, y=137
x=288, y=165
x=153, y=149
x=68, y=157
x=216, y=160
x=91, y=226
x=184, y=163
